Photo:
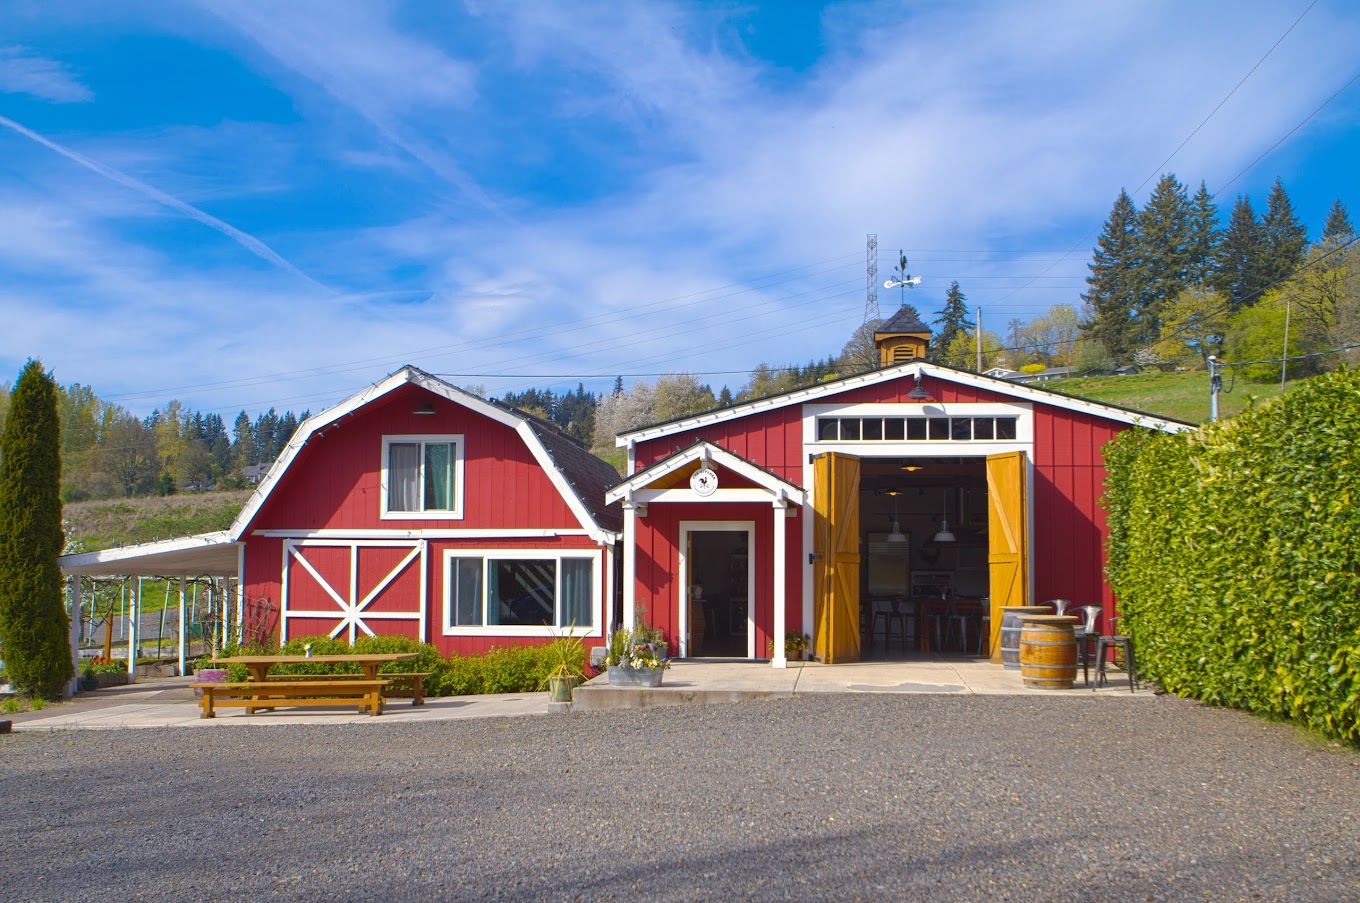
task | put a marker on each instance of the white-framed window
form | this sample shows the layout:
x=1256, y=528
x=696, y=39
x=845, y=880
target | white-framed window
x=422, y=477
x=524, y=592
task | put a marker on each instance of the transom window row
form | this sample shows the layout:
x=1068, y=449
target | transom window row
x=911, y=429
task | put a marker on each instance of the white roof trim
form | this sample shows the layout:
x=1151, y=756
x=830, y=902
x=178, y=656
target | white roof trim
x=204, y=554
x=874, y=377
x=706, y=451
x=437, y=386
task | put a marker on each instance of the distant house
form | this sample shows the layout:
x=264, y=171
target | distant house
x=1002, y=373
x=254, y=473
x=413, y=508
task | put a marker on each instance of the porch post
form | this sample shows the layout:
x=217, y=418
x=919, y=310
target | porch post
x=183, y=580
x=629, y=559
x=70, y=688
x=778, y=660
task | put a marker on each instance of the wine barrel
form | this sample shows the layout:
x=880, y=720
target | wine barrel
x=1010, y=631
x=1048, y=651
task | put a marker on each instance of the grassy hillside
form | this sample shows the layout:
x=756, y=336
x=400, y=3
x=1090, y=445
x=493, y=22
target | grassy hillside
x=1180, y=396
x=111, y=522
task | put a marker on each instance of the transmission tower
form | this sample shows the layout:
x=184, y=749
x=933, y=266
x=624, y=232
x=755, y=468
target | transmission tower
x=871, y=278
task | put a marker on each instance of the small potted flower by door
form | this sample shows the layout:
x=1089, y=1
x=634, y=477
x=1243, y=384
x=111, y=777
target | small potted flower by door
x=566, y=658
x=633, y=664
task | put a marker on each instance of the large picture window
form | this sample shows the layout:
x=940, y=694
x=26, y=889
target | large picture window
x=422, y=477
x=519, y=592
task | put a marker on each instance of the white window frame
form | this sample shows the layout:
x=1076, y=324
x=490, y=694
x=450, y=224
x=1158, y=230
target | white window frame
x=456, y=513
x=596, y=578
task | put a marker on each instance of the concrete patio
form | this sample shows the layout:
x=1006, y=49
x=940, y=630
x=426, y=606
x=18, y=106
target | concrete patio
x=169, y=702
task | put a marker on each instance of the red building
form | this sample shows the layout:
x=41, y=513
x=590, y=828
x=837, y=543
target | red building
x=826, y=509
x=413, y=508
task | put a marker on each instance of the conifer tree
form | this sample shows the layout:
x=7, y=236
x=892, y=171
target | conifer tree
x=1239, y=272
x=1286, y=238
x=953, y=319
x=1165, y=230
x=1112, y=293
x=1338, y=229
x=34, y=629
x=1203, y=248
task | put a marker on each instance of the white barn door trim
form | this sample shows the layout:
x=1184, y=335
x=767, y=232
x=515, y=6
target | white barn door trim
x=351, y=612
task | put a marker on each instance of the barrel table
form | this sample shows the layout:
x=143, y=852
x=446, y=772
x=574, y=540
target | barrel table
x=1010, y=631
x=1048, y=651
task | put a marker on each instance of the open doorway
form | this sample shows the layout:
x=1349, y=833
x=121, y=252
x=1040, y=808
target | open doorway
x=716, y=619
x=925, y=577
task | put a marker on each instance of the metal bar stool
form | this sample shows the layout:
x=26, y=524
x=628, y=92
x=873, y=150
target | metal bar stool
x=1125, y=643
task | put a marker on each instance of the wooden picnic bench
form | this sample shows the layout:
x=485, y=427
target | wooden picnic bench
x=399, y=684
x=252, y=695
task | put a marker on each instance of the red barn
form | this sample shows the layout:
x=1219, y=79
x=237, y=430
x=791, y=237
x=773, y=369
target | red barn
x=831, y=509
x=414, y=508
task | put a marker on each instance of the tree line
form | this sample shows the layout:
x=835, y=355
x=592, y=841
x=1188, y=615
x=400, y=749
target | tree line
x=1167, y=283
x=108, y=452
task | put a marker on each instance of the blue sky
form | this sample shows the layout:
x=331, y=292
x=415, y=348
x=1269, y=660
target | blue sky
x=245, y=204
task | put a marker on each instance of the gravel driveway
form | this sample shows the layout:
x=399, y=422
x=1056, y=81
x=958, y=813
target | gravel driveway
x=832, y=797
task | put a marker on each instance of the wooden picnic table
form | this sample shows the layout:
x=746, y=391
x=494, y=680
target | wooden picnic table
x=259, y=665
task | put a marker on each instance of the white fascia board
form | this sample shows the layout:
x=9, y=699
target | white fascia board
x=767, y=481
x=813, y=393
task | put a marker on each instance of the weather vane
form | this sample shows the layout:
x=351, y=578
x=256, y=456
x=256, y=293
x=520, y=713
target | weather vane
x=903, y=280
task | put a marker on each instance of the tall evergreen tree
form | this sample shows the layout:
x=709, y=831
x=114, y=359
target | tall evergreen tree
x=1239, y=274
x=34, y=628
x=1338, y=229
x=243, y=450
x=1203, y=247
x=953, y=319
x=1113, y=284
x=1166, y=230
x=1286, y=238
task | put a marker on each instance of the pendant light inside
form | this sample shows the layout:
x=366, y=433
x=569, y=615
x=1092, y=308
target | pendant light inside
x=944, y=535
x=896, y=535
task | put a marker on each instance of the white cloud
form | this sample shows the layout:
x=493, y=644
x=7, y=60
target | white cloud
x=24, y=72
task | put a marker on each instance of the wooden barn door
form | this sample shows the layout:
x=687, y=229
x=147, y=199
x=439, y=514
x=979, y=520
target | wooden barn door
x=836, y=546
x=1007, y=537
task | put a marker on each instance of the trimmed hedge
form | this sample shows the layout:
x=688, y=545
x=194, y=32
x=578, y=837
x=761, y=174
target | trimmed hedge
x=1235, y=554
x=518, y=669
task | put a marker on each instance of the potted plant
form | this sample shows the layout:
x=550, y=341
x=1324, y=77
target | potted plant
x=204, y=673
x=633, y=664
x=89, y=681
x=566, y=655
x=796, y=646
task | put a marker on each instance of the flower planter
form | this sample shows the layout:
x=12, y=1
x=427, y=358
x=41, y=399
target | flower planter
x=89, y=684
x=560, y=688
x=111, y=679
x=624, y=676
x=209, y=676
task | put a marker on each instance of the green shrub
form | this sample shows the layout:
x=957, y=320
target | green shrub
x=515, y=669
x=1234, y=556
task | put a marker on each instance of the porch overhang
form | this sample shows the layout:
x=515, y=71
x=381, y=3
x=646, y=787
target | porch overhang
x=641, y=488
x=203, y=555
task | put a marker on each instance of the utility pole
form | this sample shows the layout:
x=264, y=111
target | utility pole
x=1284, y=354
x=1215, y=385
x=979, y=340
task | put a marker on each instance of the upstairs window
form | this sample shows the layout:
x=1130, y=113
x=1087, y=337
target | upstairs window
x=422, y=477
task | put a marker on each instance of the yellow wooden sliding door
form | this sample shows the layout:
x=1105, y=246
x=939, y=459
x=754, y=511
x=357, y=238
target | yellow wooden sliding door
x=837, y=557
x=1007, y=537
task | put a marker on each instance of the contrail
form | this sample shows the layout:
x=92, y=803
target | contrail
x=249, y=242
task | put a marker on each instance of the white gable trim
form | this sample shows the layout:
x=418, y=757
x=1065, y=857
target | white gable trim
x=707, y=451
x=887, y=374
x=320, y=422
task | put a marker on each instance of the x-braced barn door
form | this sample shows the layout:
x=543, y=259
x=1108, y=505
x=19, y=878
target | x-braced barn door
x=835, y=532
x=1007, y=537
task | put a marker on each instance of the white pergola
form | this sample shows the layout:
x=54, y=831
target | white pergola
x=203, y=555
